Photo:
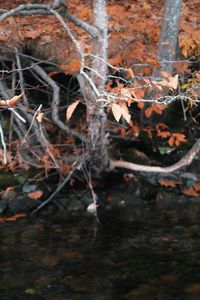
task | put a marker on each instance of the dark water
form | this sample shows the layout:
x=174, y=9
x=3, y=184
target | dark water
x=155, y=256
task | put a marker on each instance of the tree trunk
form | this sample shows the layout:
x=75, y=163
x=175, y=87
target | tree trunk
x=168, y=45
x=96, y=116
x=167, y=51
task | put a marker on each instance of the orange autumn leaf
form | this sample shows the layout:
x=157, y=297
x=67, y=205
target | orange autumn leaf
x=116, y=60
x=171, y=141
x=177, y=143
x=140, y=104
x=66, y=168
x=190, y=192
x=176, y=139
x=179, y=136
x=155, y=107
x=138, y=93
x=146, y=5
x=20, y=215
x=169, y=183
x=122, y=131
x=53, y=73
x=11, y=102
x=159, y=108
x=35, y=195
x=164, y=134
x=196, y=186
x=13, y=218
x=72, y=67
x=148, y=112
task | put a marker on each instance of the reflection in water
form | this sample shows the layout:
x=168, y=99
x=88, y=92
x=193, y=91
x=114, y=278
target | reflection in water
x=155, y=256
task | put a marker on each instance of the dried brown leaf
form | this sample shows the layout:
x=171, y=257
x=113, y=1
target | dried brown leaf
x=125, y=113
x=11, y=102
x=40, y=117
x=117, y=112
x=169, y=183
x=35, y=195
x=190, y=192
x=71, y=109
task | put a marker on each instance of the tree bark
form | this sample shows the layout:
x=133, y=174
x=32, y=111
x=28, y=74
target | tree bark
x=168, y=45
x=167, y=50
x=96, y=116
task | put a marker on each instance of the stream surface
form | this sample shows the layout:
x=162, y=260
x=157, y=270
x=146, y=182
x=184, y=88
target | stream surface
x=156, y=255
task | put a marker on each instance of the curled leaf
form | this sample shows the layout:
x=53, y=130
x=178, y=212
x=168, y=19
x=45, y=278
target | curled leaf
x=40, y=117
x=71, y=109
x=11, y=102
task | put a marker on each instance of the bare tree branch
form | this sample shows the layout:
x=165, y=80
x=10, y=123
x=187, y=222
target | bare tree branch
x=90, y=29
x=72, y=37
x=184, y=161
x=21, y=77
x=60, y=186
x=3, y=145
x=56, y=102
x=43, y=9
x=17, y=10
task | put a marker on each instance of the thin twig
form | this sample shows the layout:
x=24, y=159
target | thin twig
x=31, y=125
x=17, y=114
x=3, y=144
x=21, y=77
x=60, y=186
x=45, y=140
x=37, y=9
x=70, y=34
x=92, y=30
x=56, y=102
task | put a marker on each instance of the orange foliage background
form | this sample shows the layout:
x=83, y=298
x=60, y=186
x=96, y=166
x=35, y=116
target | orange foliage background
x=133, y=31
